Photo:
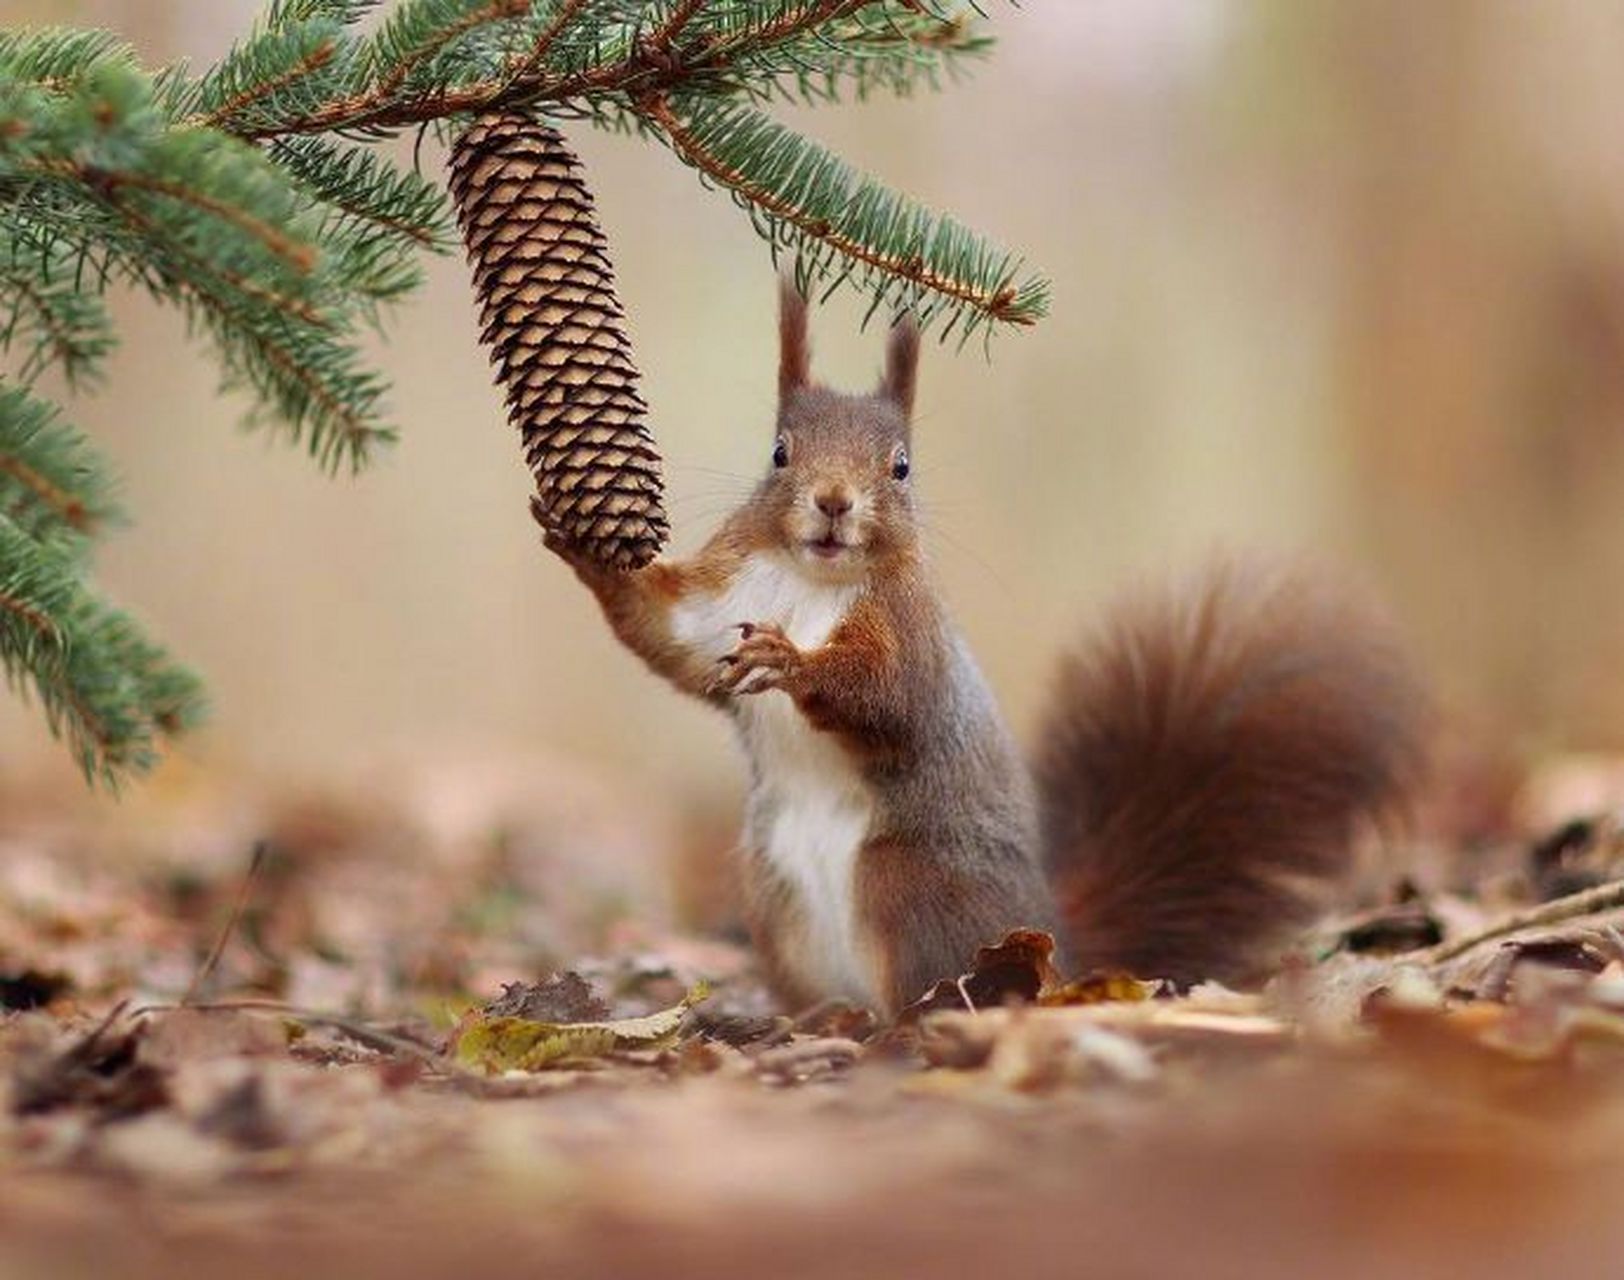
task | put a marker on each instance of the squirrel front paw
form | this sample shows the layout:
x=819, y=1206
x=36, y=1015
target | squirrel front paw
x=765, y=658
x=598, y=577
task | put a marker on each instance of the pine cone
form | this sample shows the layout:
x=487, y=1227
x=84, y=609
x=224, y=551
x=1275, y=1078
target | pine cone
x=557, y=334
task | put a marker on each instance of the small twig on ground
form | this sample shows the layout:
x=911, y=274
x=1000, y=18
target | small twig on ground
x=206, y=969
x=1604, y=897
x=371, y=1037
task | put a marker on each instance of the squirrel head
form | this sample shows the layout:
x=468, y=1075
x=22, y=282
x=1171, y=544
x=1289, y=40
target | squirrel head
x=838, y=496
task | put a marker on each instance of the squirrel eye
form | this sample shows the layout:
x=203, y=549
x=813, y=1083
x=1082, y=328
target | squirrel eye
x=781, y=453
x=899, y=465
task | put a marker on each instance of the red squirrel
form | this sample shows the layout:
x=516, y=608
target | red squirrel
x=1201, y=760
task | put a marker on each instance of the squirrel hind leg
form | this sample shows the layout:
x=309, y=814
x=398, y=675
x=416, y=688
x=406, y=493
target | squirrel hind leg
x=1210, y=760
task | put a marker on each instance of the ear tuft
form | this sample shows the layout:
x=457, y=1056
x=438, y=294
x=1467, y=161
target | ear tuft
x=901, y=365
x=794, y=346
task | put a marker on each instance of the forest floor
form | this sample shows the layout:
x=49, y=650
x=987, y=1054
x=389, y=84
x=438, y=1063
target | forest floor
x=251, y=1032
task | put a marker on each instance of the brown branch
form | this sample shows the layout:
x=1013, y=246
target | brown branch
x=672, y=27
x=912, y=267
x=66, y=505
x=317, y=58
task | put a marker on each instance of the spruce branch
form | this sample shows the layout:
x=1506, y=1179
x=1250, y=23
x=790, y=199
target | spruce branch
x=675, y=68
x=102, y=684
x=552, y=25
x=897, y=54
x=299, y=255
x=53, y=320
x=275, y=276
x=419, y=30
x=253, y=78
x=51, y=485
x=722, y=47
x=362, y=186
x=811, y=203
x=671, y=26
x=285, y=13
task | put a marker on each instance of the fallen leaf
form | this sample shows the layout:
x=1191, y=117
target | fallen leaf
x=560, y=997
x=1101, y=988
x=497, y=1044
x=1017, y=968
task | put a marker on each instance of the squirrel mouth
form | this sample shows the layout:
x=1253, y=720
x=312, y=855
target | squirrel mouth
x=828, y=547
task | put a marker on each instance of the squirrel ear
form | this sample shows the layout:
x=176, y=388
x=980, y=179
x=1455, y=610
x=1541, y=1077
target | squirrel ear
x=901, y=365
x=794, y=347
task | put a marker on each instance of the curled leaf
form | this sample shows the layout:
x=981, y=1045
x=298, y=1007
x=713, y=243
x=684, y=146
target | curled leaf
x=505, y=1043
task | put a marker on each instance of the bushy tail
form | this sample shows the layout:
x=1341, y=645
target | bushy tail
x=1209, y=757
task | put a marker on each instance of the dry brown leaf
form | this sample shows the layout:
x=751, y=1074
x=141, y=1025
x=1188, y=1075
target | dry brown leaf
x=1016, y=968
x=560, y=997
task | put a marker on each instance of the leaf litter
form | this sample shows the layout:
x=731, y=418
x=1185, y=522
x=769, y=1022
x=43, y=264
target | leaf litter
x=381, y=1041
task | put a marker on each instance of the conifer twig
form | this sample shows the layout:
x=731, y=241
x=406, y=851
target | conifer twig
x=492, y=11
x=1587, y=902
x=544, y=41
x=36, y=620
x=67, y=506
x=313, y=61
x=999, y=304
x=298, y=255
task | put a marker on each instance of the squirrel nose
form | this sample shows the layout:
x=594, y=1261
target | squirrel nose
x=834, y=503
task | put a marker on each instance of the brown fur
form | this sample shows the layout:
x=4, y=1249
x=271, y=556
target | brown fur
x=925, y=914
x=1208, y=757
x=794, y=345
x=901, y=366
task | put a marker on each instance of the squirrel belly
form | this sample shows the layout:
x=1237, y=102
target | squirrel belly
x=877, y=856
x=810, y=810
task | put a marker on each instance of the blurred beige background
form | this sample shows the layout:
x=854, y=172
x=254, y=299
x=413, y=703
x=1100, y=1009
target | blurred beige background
x=1338, y=278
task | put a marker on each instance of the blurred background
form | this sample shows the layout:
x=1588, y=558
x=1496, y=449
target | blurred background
x=1336, y=279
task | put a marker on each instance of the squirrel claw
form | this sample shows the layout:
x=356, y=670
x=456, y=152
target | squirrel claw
x=764, y=659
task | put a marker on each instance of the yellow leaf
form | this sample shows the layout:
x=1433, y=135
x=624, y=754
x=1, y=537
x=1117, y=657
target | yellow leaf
x=519, y=1044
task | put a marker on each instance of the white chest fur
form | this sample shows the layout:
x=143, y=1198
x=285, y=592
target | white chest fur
x=809, y=811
